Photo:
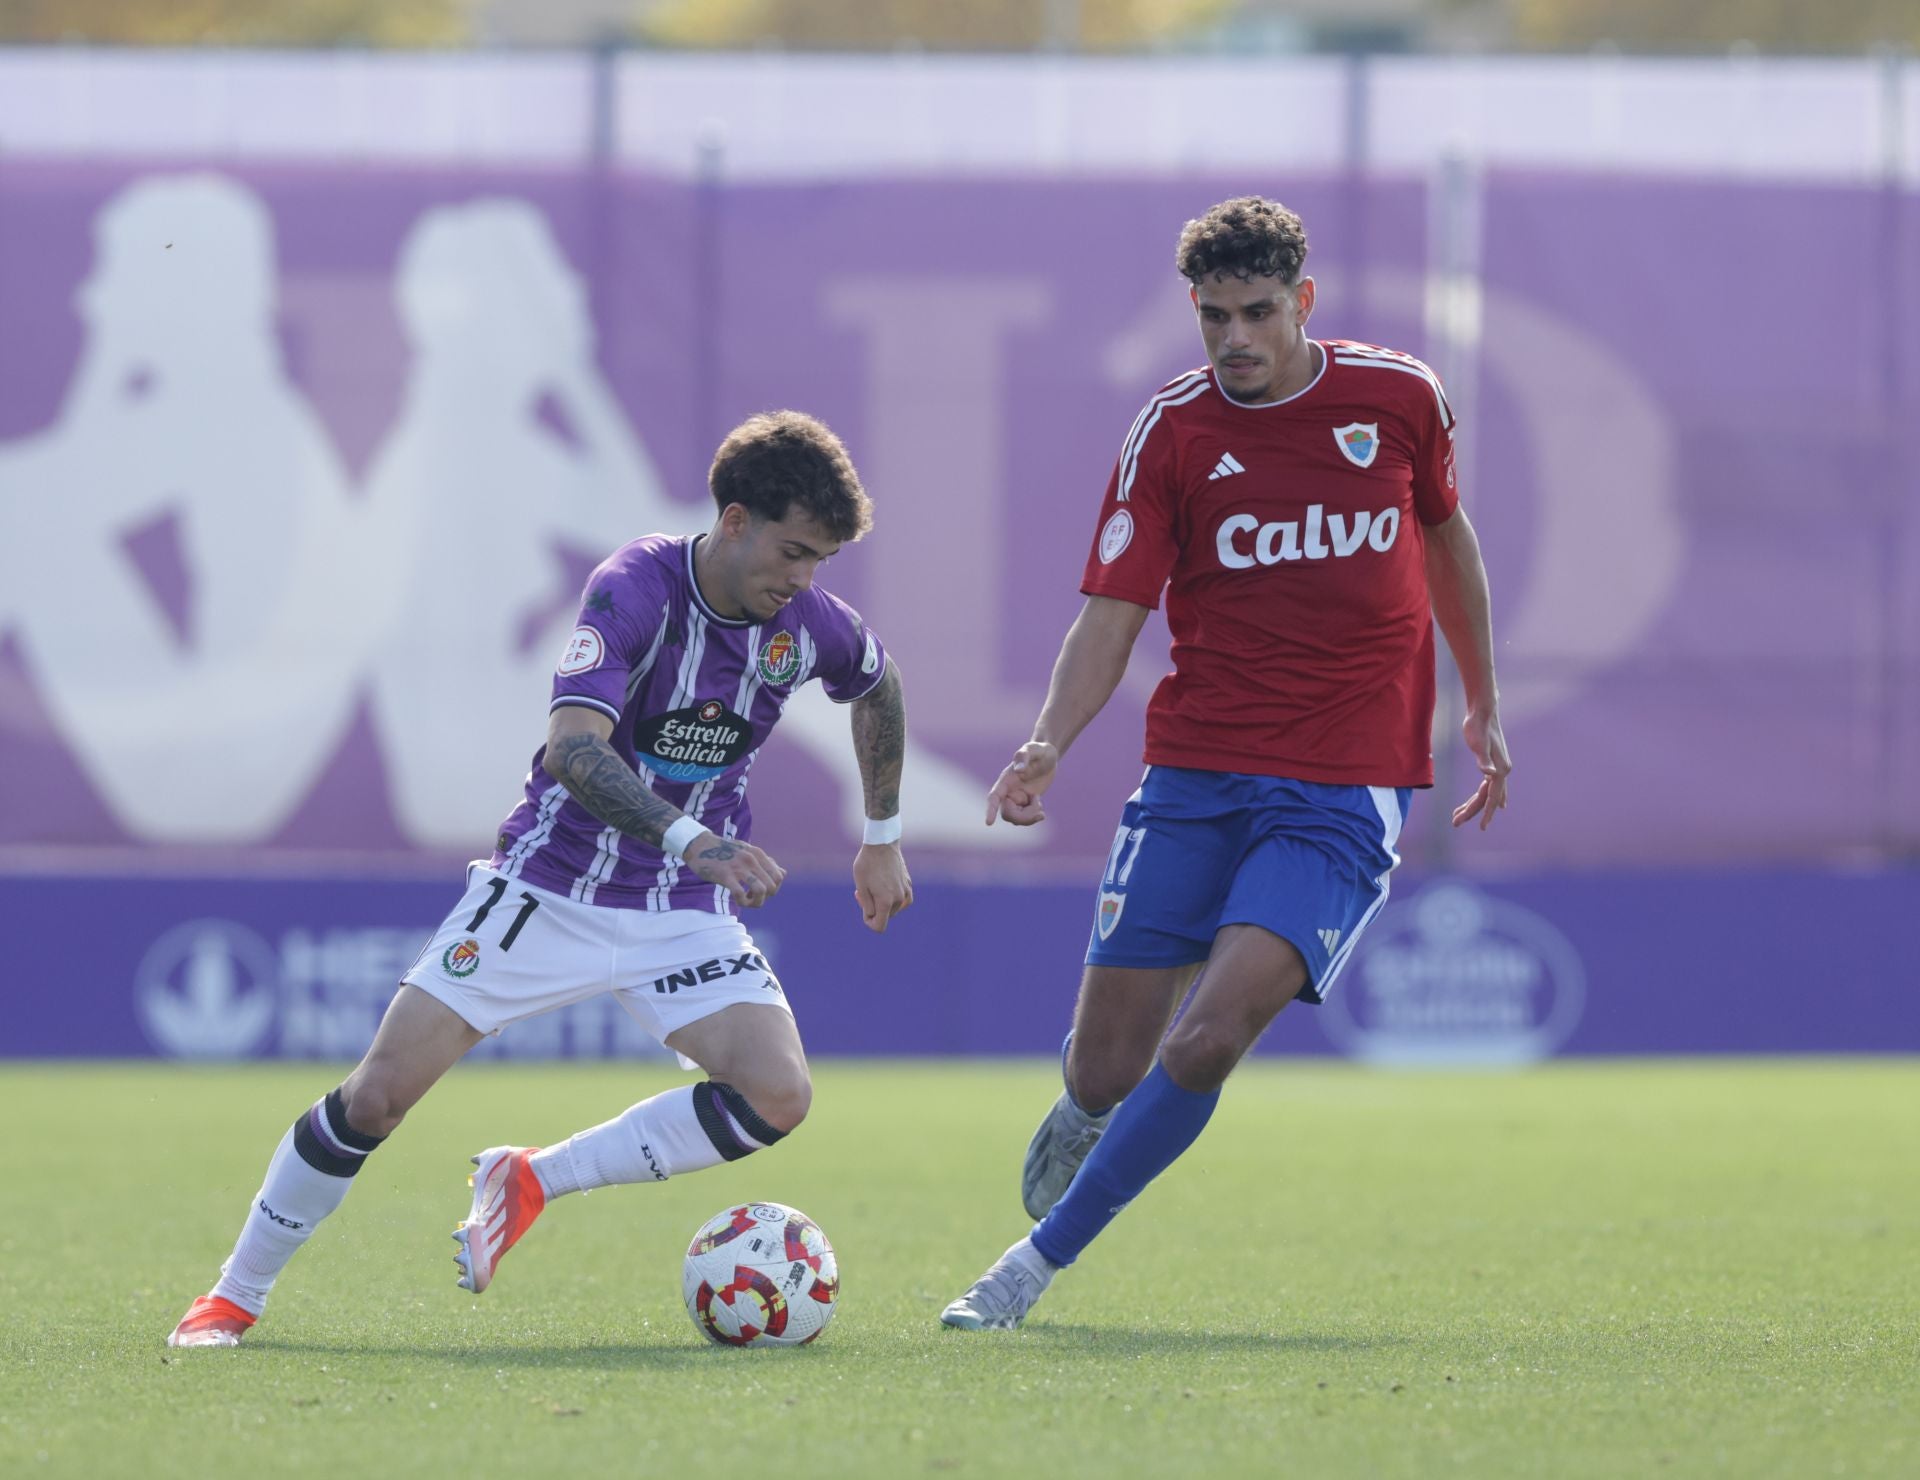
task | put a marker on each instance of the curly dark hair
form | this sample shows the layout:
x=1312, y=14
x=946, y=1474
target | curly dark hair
x=780, y=458
x=1246, y=237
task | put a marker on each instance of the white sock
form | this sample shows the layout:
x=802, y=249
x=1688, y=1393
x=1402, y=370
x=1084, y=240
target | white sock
x=654, y=1140
x=292, y=1200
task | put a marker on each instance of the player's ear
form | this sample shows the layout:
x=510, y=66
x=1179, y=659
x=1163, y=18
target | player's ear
x=734, y=520
x=1303, y=300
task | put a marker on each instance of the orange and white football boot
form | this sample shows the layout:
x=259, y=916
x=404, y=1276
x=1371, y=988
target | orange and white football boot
x=507, y=1197
x=212, y=1320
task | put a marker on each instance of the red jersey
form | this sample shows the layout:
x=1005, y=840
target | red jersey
x=1289, y=539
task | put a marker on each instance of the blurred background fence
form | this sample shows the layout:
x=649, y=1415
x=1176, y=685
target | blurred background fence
x=324, y=378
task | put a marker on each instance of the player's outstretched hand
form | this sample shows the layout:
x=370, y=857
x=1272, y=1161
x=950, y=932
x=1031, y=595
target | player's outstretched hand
x=748, y=873
x=1016, y=795
x=1481, y=730
x=881, y=884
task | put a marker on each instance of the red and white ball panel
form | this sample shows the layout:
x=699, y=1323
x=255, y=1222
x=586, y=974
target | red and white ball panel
x=760, y=1274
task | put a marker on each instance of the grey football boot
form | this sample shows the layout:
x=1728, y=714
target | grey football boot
x=1001, y=1298
x=1054, y=1154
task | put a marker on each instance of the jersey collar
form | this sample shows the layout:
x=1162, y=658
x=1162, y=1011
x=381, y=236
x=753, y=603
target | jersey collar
x=700, y=601
x=1326, y=360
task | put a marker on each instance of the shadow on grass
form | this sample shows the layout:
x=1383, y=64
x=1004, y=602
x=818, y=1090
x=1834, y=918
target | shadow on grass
x=604, y=1356
x=1061, y=1336
x=1110, y=1339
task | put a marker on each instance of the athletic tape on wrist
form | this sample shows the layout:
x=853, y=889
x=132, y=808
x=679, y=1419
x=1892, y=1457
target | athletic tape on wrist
x=886, y=830
x=678, y=838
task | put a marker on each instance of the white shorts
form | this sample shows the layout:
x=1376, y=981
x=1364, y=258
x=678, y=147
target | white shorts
x=510, y=950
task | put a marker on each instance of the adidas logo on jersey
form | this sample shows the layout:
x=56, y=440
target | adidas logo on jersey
x=1244, y=542
x=1330, y=939
x=1226, y=467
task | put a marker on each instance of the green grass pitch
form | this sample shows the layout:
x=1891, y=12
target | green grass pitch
x=1620, y=1269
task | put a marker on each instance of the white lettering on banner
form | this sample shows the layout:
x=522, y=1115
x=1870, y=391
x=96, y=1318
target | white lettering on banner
x=214, y=989
x=335, y=983
x=1280, y=540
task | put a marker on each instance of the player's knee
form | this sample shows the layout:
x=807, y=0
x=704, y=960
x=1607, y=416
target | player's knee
x=374, y=1105
x=784, y=1099
x=1200, y=1056
x=1097, y=1088
x=740, y=1122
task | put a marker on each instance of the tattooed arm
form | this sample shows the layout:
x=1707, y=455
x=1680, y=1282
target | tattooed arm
x=581, y=757
x=880, y=880
x=880, y=742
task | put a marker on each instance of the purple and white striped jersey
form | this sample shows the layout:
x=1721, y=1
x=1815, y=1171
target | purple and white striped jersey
x=692, y=695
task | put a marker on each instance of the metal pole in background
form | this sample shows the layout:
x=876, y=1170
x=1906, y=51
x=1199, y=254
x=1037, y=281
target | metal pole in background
x=1456, y=205
x=1357, y=150
x=603, y=147
x=1062, y=22
x=704, y=276
x=1893, y=768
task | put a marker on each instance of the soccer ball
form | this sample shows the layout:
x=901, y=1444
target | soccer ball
x=762, y=1274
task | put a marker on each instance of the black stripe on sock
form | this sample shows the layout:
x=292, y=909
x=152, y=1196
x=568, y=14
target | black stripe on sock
x=316, y=1153
x=313, y=1151
x=749, y=1118
x=336, y=1113
x=713, y=1121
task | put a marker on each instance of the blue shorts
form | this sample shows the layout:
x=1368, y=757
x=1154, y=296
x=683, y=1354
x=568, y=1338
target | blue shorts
x=1198, y=850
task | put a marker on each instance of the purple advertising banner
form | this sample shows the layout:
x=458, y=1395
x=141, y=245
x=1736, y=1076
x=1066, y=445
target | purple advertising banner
x=1453, y=972
x=300, y=470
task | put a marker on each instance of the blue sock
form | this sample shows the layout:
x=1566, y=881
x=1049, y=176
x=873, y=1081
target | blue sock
x=1153, y=1125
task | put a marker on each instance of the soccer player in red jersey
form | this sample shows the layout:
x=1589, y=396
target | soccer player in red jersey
x=1296, y=501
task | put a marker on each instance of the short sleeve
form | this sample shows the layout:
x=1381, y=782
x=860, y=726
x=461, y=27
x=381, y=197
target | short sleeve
x=621, y=618
x=1436, y=492
x=849, y=659
x=1134, y=547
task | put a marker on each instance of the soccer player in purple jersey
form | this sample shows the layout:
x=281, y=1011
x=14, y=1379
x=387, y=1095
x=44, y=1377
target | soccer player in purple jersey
x=621, y=869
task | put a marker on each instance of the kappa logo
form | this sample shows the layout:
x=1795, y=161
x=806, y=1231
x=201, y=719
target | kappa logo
x=712, y=970
x=583, y=652
x=1359, y=441
x=461, y=959
x=780, y=658
x=1336, y=535
x=1226, y=467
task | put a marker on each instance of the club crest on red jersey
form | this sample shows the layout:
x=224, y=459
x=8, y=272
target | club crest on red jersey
x=1359, y=441
x=780, y=658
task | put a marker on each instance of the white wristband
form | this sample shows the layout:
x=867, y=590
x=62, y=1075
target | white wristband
x=887, y=830
x=678, y=838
